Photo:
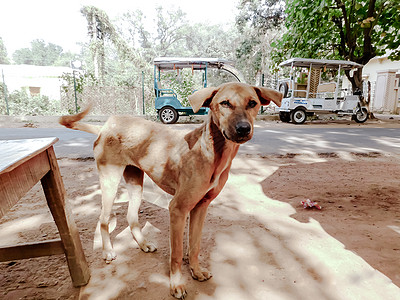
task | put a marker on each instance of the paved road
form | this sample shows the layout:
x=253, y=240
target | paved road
x=266, y=140
x=72, y=143
x=306, y=139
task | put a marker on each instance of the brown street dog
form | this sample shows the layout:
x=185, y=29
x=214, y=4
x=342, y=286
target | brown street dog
x=193, y=167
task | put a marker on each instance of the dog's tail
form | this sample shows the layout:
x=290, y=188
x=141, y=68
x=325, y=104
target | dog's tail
x=73, y=121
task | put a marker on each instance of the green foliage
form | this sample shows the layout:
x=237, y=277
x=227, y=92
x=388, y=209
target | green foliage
x=170, y=30
x=76, y=82
x=183, y=83
x=259, y=23
x=261, y=15
x=175, y=36
x=210, y=41
x=40, y=54
x=65, y=58
x=101, y=30
x=79, y=81
x=355, y=30
x=20, y=103
x=3, y=53
x=248, y=52
x=3, y=105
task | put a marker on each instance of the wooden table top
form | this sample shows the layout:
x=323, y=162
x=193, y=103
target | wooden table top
x=15, y=152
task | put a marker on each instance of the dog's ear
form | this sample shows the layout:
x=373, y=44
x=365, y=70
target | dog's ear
x=202, y=98
x=267, y=95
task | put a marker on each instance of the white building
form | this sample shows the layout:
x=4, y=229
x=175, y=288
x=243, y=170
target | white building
x=384, y=76
x=37, y=80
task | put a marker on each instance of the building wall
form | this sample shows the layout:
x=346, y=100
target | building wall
x=379, y=64
x=384, y=76
x=44, y=80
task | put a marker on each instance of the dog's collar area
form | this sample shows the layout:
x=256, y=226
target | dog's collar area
x=218, y=138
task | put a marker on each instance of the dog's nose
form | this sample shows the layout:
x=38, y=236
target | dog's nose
x=243, y=129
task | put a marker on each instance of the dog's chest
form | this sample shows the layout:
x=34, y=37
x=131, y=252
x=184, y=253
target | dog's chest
x=222, y=167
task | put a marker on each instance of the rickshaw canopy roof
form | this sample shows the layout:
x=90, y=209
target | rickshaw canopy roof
x=320, y=63
x=196, y=63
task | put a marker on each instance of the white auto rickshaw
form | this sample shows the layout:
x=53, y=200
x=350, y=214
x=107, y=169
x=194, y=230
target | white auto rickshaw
x=314, y=87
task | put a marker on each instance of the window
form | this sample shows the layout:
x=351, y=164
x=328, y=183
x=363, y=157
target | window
x=34, y=91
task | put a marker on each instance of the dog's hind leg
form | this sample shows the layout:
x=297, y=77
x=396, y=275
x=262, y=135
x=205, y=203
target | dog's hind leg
x=134, y=180
x=110, y=177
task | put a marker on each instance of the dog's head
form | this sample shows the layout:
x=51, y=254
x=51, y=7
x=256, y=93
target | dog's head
x=234, y=107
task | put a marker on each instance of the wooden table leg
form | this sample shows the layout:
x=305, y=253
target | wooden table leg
x=55, y=195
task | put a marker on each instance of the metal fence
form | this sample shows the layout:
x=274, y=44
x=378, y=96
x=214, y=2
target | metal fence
x=107, y=100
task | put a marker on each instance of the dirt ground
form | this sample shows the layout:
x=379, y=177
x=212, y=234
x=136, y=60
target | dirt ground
x=255, y=239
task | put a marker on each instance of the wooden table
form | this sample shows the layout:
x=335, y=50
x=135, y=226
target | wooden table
x=22, y=164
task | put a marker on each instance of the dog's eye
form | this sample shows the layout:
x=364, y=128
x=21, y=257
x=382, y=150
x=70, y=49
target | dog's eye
x=252, y=104
x=226, y=104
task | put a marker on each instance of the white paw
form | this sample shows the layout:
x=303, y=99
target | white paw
x=109, y=256
x=178, y=291
x=177, y=285
x=148, y=247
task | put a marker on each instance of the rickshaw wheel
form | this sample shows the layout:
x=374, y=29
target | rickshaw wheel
x=298, y=116
x=361, y=115
x=168, y=115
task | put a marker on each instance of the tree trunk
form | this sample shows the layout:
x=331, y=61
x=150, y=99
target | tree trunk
x=358, y=88
x=355, y=80
x=97, y=49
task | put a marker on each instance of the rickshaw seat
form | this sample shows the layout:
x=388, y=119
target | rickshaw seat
x=326, y=87
x=160, y=91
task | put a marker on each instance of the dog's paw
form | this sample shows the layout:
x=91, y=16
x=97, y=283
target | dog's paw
x=178, y=291
x=148, y=247
x=109, y=256
x=177, y=285
x=200, y=274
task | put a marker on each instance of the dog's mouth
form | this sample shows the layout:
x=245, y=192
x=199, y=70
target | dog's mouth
x=237, y=139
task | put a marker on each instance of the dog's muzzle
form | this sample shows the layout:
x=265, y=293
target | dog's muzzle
x=243, y=129
x=240, y=134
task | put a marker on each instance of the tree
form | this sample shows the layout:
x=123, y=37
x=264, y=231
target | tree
x=101, y=29
x=65, y=58
x=169, y=38
x=354, y=30
x=3, y=53
x=131, y=27
x=175, y=36
x=261, y=15
x=39, y=54
x=259, y=23
x=170, y=30
x=210, y=41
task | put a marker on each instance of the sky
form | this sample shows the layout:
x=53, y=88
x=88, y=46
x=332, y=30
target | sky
x=61, y=23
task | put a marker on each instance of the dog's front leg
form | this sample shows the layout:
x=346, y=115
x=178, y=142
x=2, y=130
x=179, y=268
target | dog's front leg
x=197, y=216
x=178, y=216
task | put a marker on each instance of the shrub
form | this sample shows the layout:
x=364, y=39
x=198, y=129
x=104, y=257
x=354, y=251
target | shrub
x=20, y=103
